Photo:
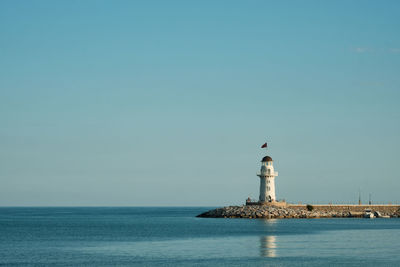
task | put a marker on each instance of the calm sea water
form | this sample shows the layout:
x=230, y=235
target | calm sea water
x=173, y=236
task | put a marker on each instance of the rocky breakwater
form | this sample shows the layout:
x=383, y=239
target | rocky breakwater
x=273, y=212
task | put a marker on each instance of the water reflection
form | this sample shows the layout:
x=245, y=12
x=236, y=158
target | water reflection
x=270, y=222
x=268, y=246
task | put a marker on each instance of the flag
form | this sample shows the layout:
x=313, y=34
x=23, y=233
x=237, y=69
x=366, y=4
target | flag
x=264, y=145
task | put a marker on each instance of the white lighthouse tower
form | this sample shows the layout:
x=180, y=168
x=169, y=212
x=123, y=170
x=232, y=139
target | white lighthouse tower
x=267, y=180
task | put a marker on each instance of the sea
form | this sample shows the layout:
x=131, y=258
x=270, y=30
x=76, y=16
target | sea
x=173, y=236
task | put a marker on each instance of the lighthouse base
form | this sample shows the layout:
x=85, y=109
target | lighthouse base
x=272, y=203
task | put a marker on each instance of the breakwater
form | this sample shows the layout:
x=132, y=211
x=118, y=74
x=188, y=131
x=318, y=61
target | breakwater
x=300, y=211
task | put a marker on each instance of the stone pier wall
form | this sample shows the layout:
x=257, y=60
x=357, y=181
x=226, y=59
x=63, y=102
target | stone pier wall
x=271, y=210
x=352, y=208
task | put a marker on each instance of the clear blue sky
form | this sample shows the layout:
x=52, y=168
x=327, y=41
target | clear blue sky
x=168, y=102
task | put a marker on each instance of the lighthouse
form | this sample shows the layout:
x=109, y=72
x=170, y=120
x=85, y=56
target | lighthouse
x=267, y=180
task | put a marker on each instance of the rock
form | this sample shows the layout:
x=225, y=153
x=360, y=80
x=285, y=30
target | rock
x=270, y=212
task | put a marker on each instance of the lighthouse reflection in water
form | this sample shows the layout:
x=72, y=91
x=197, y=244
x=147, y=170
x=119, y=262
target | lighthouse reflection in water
x=268, y=246
x=268, y=243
